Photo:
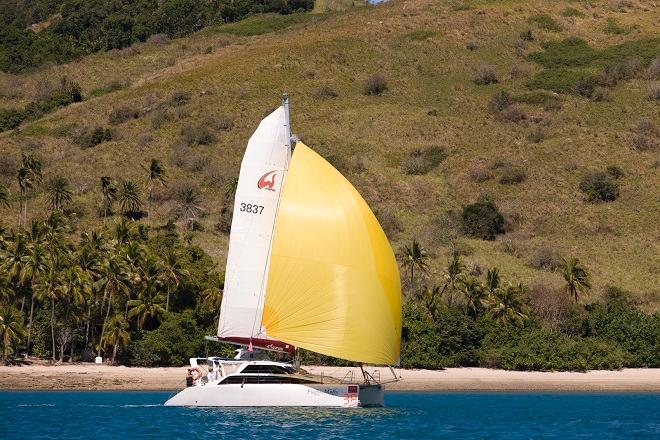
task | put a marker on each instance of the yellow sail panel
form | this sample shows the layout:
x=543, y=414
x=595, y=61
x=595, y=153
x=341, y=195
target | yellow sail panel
x=333, y=283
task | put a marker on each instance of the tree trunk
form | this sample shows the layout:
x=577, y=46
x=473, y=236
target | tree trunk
x=30, y=325
x=52, y=325
x=114, y=353
x=167, y=303
x=105, y=320
x=412, y=280
x=71, y=350
x=151, y=190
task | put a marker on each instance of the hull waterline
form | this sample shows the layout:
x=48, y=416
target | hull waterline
x=292, y=395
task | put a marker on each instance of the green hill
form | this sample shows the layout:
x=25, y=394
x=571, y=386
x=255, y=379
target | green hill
x=581, y=83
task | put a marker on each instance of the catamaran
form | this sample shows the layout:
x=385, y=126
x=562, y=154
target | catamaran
x=309, y=267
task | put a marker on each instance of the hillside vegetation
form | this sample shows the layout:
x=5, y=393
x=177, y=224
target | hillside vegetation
x=512, y=134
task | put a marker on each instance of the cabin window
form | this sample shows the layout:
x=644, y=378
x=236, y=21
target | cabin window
x=266, y=369
x=239, y=379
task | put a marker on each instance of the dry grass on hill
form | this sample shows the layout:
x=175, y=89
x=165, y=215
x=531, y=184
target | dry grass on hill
x=222, y=81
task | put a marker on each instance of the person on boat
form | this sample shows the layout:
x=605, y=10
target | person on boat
x=196, y=375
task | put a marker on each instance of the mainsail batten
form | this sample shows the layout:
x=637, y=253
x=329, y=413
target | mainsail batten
x=257, y=195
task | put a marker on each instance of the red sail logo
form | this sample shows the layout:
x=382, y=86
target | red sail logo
x=267, y=181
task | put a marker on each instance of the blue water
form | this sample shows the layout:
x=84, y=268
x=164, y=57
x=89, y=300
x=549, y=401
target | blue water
x=126, y=415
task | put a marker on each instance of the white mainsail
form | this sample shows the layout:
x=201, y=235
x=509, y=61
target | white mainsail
x=260, y=182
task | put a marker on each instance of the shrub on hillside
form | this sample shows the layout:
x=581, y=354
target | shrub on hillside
x=545, y=258
x=536, y=135
x=654, y=92
x=512, y=175
x=159, y=118
x=485, y=75
x=613, y=27
x=121, y=114
x=615, y=171
x=512, y=114
x=527, y=35
x=91, y=136
x=177, y=339
x=422, y=161
x=197, y=135
x=11, y=118
x=599, y=187
x=544, y=21
x=618, y=321
x=548, y=350
x=482, y=219
x=179, y=98
x=480, y=174
x=445, y=337
x=653, y=71
x=646, y=136
x=374, y=85
x=389, y=221
x=500, y=101
x=572, y=12
x=324, y=92
x=158, y=39
x=224, y=222
x=584, y=87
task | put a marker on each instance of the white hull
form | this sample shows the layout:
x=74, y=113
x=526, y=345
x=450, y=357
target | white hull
x=313, y=395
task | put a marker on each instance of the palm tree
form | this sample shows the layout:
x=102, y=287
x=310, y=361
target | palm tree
x=35, y=264
x=130, y=197
x=108, y=195
x=28, y=176
x=188, y=205
x=148, y=304
x=576, y=276
x=212, y=295
x=15, y=256
x=508, y=305
x=230, y=188
x=453, y=276
x=414, y=257
x=474, y=296
x=493, y=279
x=11, y=328
x=431, y=295
x=113, y=277
x=47, y=289
x=172, y=274
x=4, y=195
x=59, y=193
x=156, y=176
x=117, y=335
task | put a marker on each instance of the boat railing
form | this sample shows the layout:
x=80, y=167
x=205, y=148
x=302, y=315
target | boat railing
x=349, y=377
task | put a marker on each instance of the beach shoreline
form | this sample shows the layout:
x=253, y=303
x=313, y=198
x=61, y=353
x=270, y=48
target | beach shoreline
x=105, y=377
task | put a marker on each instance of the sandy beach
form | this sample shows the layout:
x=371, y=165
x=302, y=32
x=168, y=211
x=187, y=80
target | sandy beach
x=105, y=377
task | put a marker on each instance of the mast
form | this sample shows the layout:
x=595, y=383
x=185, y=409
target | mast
x=287, y=127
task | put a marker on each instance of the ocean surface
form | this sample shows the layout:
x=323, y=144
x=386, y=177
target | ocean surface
x=126, y=415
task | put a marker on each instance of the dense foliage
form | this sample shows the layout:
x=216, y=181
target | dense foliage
x=67, y=92
x=57, y=31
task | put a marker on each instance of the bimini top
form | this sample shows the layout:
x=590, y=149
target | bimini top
x=309, y=265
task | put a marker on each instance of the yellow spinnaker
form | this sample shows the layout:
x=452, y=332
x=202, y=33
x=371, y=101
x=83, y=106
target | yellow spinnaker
x=333, y=282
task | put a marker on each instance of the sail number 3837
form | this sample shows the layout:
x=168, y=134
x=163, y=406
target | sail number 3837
x=252, y=209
